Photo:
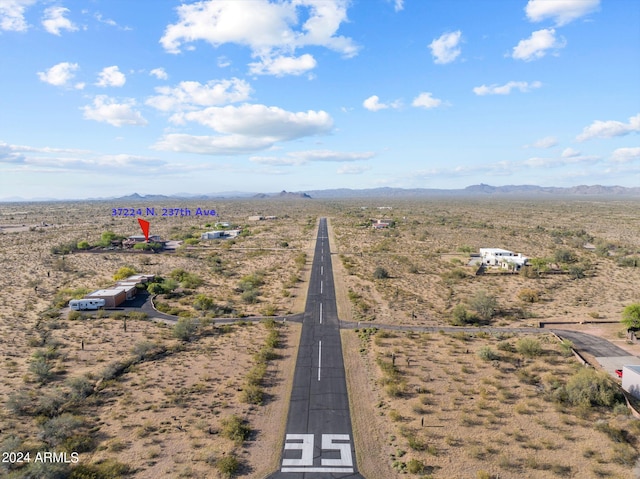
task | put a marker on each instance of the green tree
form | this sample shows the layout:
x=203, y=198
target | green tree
x=203, y=303
x=461, y=317
x=631, y=317
x=106, y=238
x=484, y=304
x=83, y=244
x=124, y=272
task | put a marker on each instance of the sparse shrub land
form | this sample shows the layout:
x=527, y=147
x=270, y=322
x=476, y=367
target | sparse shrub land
x=134, y=396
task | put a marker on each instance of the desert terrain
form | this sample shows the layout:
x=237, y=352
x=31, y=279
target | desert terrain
x=146, y=400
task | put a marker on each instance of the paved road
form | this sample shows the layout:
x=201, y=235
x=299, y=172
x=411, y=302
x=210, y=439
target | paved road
x=593, y=345
x=319, y=439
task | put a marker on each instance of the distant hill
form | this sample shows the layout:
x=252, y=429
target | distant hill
x=481, y=190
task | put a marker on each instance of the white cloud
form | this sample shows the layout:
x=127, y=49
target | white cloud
x=283, y=65
x=570, y=153
x=268, y=29
x=626, y=155
x=111, y=76
x=211, y=145
x=245, y=128
x=561, y=11
x=610, y=129
x=330, y=155
x=505, y=89
x=60, y=74
x=546, y=142
x=425, y=100
x=276, y=161
x=189, y=95
x=445, y=49
x=537, y=45
x=571, y=158
x=105, y=109
x=352, y=169
x=373, y=104
x=159, y=73
x=304, y=157
x=398, y=5
x=12, y=15
x=54, y=20
x=261, y=121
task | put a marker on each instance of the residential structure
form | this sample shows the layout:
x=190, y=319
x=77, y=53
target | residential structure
x=502, y=258
x=222, y=234
x=379, y=224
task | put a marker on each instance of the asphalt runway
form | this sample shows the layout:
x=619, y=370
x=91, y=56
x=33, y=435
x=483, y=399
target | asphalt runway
x=318, y=441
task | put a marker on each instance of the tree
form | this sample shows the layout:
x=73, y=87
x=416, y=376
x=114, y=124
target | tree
x=124, y=272
x=461, y=317
x=106, y=238
x=83, y=244
x=631, y=317
x=484, y=304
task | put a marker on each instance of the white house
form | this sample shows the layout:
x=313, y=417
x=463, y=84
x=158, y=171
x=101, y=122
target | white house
x=631, y=380
x=211, y=235
x=503, y=258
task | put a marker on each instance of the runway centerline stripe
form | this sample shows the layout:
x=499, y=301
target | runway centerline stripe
x=319, y=358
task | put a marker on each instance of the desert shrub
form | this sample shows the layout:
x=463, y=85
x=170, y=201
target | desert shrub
x=252, y=394
x=74, y=315
x=484, y=304
x=460, y=316
x=144, y=349
x=228, y=465
x=269, y=310
x=203, y=303
x=454, y=275
x=80, y=387
x=380, y=273
x=415, y=466
x=506, y=346
x=564, y=256
x=46, y=470
x=300, y=260
x=19, y=403
x=41, y=369
x=235, y=429
x=589, y=388
x=56, y=430
x=529, y=347
x=251, y=281
x=137, y=315
x=528, y=295
x=250, y=296
x=107, y=469
x=185, y=329
x=629, y=261
x=487, y=354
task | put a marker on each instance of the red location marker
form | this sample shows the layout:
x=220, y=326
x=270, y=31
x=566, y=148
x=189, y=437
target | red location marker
x=144, y=224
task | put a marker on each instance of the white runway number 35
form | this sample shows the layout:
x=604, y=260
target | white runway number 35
x=338, y=444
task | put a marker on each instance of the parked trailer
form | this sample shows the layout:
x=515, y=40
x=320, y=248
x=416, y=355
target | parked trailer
x=83, y=304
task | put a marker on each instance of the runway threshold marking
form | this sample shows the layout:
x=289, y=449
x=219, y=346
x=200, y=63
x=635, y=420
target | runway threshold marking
x=319, y=358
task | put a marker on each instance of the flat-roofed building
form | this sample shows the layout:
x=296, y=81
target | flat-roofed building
x=112, y=297
x=130, y=290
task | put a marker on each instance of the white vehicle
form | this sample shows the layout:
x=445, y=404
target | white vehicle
x=82, y=304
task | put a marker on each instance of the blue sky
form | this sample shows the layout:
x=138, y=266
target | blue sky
x=107, y=97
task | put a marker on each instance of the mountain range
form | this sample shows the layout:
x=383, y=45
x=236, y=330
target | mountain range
x=481, y=190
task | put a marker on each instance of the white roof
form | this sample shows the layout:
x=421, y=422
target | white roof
x=495, y=250
x=106, y=292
